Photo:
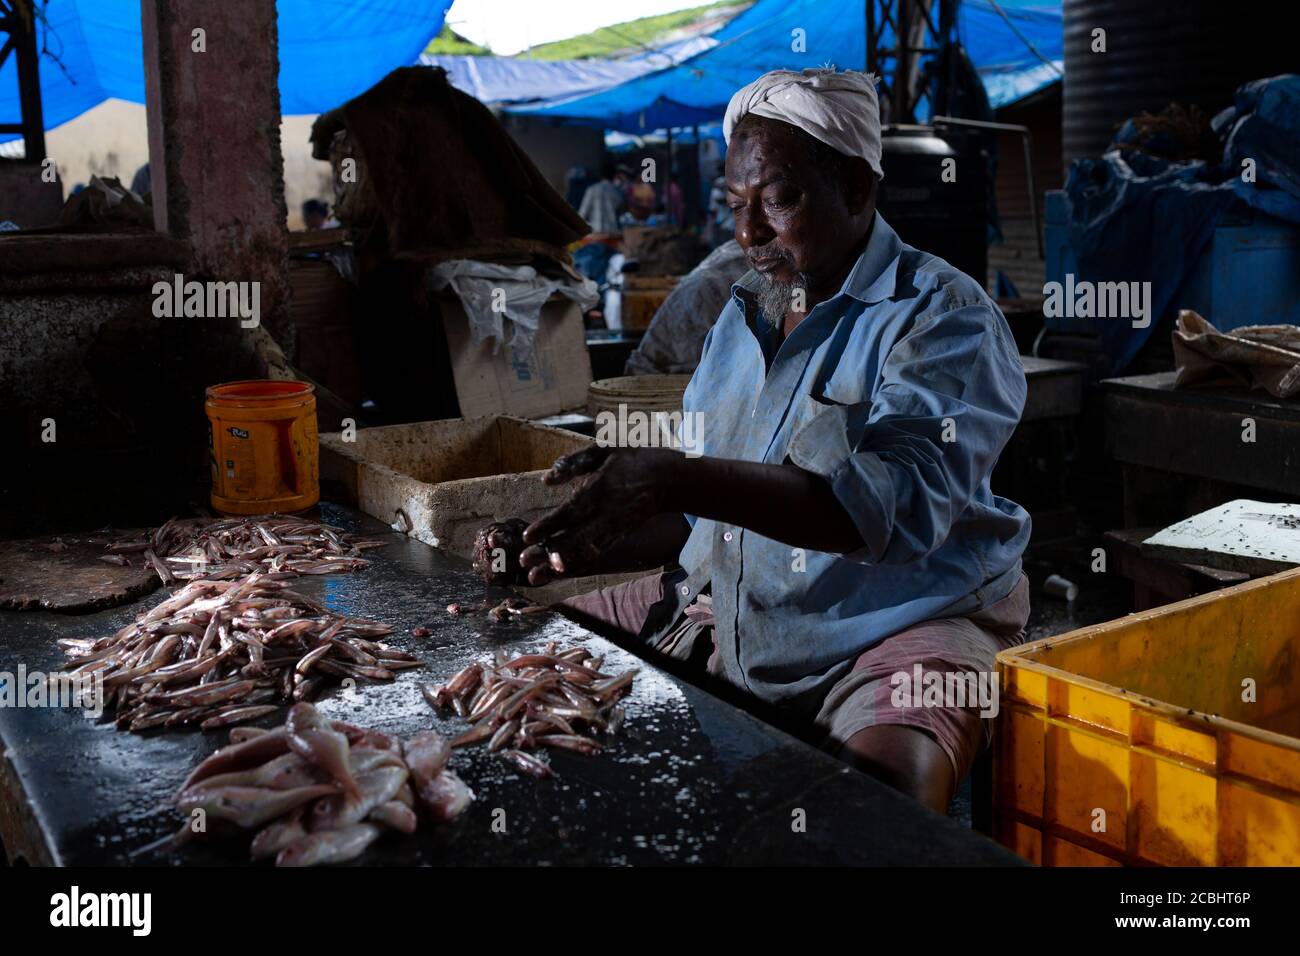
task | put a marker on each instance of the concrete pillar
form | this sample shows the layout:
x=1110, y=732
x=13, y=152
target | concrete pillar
x=213, y=105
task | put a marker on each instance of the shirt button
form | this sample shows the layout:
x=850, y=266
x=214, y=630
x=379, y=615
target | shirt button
x=685, y=589
x=726, y=536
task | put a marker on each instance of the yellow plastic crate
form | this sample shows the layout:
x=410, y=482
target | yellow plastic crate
x=1137, y=742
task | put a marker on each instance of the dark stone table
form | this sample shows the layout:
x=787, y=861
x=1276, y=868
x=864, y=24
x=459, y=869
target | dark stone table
x=690, y=779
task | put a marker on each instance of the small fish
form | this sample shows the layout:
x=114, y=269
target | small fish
x=396, y=815
x=311, y=737
x=504, y=734
x=251, y=752
x=237, y=715
x=376, y=787
x=466, y=680
x=426, y=754
x=581, y=745
x=249, y=806
x=210, y=694
x=608, y=688
x=446, y=796
x=472, y=736
x=239, y=734
x=436, y=697
x=489, y=700
x=311, y=658
x=275, y=836
x=329, y=846
x=527, y=763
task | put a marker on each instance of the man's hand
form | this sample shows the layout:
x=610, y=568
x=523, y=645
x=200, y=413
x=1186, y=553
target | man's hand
x=623, y=488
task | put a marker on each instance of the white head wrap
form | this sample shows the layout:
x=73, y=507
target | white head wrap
x=838, y=108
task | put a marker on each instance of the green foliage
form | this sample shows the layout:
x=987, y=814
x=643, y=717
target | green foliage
x=623, y=37
x=449, y=42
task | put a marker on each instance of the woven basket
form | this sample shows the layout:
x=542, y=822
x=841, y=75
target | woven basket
x=644, y=393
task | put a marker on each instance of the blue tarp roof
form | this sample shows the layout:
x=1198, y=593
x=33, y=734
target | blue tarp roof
x=329, y=52
x=1016, y=56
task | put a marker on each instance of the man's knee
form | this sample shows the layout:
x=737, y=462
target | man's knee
x=905, y=758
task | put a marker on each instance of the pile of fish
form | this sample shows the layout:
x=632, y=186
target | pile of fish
x=550, y=699
x=233, y=547
x=218, y=653
x=321, y=791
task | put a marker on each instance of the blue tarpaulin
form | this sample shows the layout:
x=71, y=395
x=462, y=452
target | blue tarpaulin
x=329, y=52
x=1015, y=57
x=1135, y=217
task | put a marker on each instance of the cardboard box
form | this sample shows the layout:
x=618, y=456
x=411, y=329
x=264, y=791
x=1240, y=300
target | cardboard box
x=492, y=383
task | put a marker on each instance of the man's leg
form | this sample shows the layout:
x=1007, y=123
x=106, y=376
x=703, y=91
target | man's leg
x=919, y=746
x=905, y=758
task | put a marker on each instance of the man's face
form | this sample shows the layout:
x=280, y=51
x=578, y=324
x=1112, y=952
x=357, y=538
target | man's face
x=796, y=227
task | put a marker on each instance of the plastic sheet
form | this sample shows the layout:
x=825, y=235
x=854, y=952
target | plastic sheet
x=1013, y=61
x=493, y=294
x=329, y=52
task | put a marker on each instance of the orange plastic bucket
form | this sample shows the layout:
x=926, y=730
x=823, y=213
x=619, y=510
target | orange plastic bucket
x=265, y=455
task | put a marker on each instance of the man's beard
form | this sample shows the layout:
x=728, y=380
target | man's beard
x=777, y=299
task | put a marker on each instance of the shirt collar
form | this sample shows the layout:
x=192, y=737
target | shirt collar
x=872, y=279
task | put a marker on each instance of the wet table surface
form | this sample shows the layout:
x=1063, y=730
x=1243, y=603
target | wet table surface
x=690, y=779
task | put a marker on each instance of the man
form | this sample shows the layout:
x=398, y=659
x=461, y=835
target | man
x=838, y=529
x=673, y=342
x=722, y=224
x=604, y=202
x=316, y=215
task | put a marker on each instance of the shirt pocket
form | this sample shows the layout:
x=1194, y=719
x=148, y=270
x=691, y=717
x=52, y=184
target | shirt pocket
x=847, y=385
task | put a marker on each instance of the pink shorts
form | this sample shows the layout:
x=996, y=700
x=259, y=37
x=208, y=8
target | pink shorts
x=870, y=694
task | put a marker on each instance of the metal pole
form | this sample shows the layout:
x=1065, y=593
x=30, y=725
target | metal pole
x=871, y=35
x=900, y=93
x=1027, y=138
x=22, y=27
x=668, y=181
x=695, y=206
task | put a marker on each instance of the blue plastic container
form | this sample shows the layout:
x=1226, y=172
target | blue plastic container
x=1248, y=275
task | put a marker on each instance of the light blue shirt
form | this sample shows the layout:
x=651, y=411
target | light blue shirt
x=900, y=391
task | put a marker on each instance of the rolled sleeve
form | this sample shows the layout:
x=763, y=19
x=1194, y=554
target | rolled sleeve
x=906, y=464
